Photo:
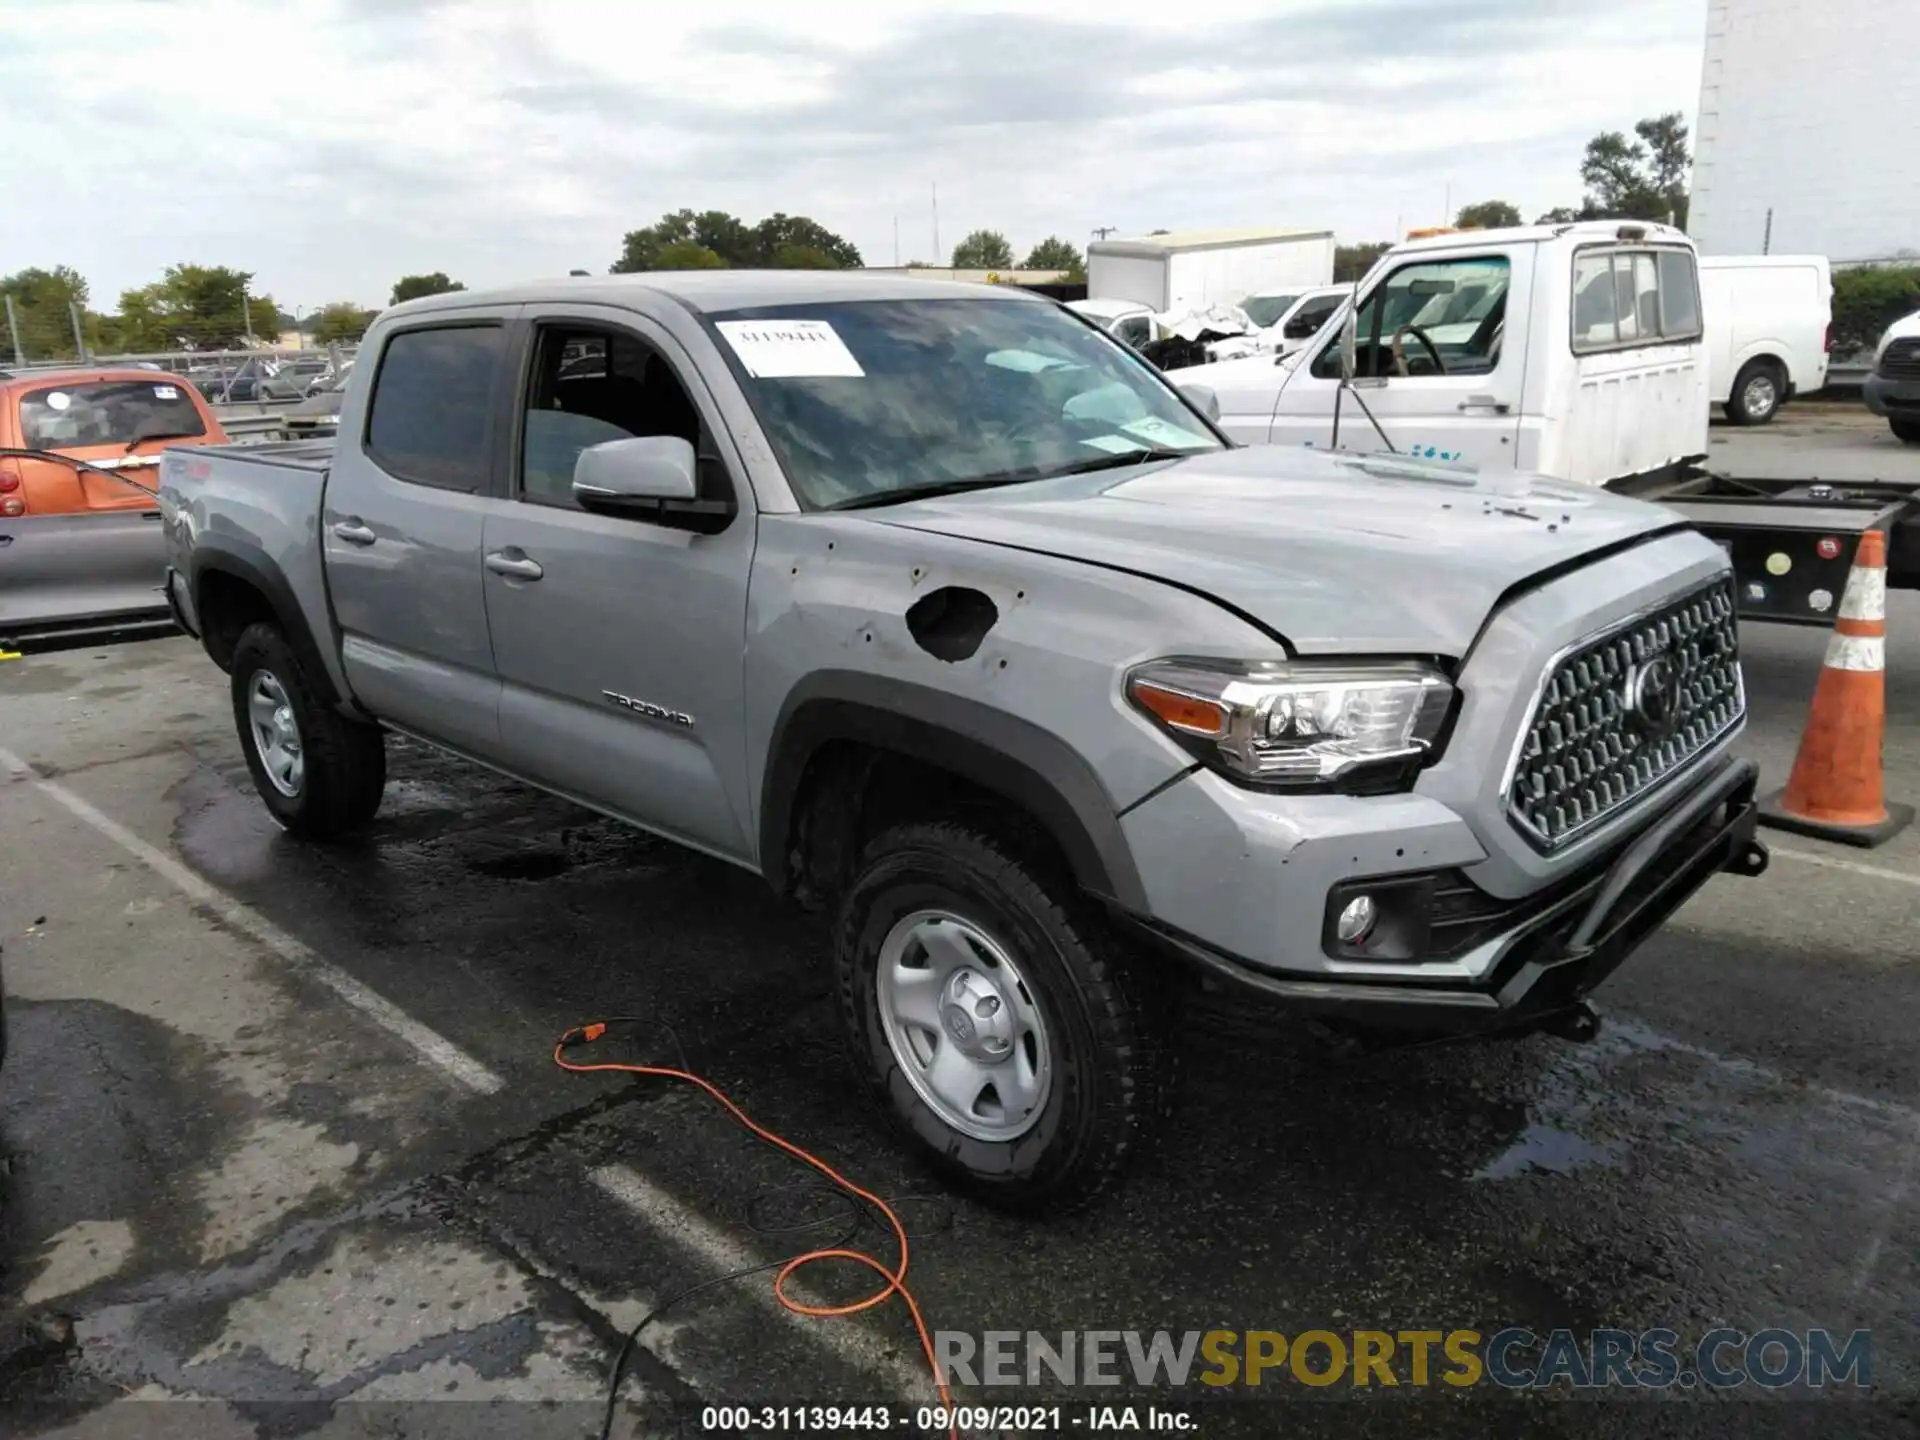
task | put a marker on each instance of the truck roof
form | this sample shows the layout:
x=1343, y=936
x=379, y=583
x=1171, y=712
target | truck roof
x=1523, y=234
x=713, y=290
x=1148, y=245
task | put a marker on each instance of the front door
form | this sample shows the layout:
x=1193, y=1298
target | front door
x=401, y=529
x=619, y=642
x=1438, y=367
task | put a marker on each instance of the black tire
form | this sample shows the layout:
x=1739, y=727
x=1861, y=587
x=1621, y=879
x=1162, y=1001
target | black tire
x=343, y=762
x=1906, y=431
x=1754, y=403
x=1108, y=1067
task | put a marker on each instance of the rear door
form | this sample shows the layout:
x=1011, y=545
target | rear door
x=402, y=521
x=619, y=640
x=1439, y=371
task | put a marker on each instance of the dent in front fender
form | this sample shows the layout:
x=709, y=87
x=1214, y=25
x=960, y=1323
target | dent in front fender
x=833, y=592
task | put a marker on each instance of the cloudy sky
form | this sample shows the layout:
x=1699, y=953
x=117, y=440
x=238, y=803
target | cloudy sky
x=330, y=146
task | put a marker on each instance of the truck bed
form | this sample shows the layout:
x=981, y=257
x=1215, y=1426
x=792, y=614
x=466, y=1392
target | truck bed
x=259, y=505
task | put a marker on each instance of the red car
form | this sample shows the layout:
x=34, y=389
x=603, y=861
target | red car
x=80, y=544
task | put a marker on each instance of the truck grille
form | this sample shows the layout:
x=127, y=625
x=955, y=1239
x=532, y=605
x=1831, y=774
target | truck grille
x=1901, y=360
x=1621, y=712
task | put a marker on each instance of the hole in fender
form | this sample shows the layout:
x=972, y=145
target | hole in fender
x=949, y=623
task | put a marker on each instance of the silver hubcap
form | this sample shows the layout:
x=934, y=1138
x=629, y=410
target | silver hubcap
x=276, y=735
x=964, y=1026
x=1761, y=395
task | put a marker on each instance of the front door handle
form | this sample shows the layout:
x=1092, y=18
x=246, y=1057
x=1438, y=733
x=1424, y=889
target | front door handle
x=353, y=531
x=1485, y=402
x=514, y=564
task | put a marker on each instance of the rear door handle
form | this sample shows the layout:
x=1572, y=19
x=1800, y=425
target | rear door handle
x=353, y=531
x=514, y=564
x=1485, y=402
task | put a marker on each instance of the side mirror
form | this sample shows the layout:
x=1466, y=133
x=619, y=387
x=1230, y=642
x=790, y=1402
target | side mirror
x=635, y=475
x=1203, y=399
x=649, y=477
x=1350, y=341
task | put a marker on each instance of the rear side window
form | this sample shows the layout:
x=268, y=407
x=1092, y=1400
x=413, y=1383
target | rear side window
x=432, y=405
x=1624, y=299
x=112, y=412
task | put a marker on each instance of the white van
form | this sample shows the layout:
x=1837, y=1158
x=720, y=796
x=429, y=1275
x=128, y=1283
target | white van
x=1567, y=350
x=1769, y=330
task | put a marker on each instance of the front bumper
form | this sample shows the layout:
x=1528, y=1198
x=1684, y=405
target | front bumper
x=1568, y=941
x=1897, y=399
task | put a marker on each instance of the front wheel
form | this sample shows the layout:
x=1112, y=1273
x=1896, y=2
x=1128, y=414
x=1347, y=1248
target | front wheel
x=1757, y=393
x=991, y=1017
x=320, y=773
x=1906, y=431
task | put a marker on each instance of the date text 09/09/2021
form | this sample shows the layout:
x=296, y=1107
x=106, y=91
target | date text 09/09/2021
x=939, y=1420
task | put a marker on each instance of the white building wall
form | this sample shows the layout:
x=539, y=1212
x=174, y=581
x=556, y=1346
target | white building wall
x=1810, y=108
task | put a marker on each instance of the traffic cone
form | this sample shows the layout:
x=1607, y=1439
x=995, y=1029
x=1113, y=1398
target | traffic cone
x=1837, y=788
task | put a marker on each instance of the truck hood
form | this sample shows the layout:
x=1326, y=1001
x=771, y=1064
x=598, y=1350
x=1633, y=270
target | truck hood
x=1336, y=554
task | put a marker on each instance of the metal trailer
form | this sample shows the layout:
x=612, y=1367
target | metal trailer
x=1792, y=541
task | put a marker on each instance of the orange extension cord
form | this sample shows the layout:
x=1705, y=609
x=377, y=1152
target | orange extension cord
x=896, y=1278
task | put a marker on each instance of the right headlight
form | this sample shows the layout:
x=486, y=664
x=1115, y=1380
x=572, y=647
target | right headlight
x=1299, y=724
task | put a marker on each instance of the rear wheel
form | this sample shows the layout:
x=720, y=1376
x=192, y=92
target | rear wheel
x=320, y=773
x=999, y=1026
x=1758, y=392
x=1905, y=430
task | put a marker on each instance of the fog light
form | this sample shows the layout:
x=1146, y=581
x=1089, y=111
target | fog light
x=1356, y=920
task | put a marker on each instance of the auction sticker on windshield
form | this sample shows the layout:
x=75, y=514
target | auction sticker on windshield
x=789, y=349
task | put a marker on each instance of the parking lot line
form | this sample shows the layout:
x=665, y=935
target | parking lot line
x=428, y=1043
x=848, y=1340
x=1854, y=867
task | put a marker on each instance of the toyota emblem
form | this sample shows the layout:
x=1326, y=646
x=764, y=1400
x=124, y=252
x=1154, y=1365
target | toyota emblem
x=1653, y=692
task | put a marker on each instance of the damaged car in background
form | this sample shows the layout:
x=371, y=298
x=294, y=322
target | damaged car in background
x=984, y=638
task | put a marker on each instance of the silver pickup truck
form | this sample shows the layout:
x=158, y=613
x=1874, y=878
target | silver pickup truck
x=933, y=604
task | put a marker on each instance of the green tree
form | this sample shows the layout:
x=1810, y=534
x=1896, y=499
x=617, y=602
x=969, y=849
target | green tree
x=780, y=232
x=1488, y=215
x=803, y=257
x=1350, y=262
x=672, y=243
x=983, y=250
x=687, y=255
x=196, y=307
x=413, y=287
x=1562, y=215
x=1644, y=178
x=40, y=298
x=1053, y=253
x=341, y=323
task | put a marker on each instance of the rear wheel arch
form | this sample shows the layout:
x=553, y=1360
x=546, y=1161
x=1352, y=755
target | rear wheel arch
x=853, y=753
x=233, y=589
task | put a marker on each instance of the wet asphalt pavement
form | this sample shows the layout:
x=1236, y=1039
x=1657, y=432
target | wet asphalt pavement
x=230, y=1175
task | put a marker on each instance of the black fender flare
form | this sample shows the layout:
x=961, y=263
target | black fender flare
x=226, y=555
x=1009, y=756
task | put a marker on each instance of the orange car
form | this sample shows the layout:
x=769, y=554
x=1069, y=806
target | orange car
x=81, y=554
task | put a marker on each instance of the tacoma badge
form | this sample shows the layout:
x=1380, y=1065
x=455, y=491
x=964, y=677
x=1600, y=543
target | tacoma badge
x=649, y=709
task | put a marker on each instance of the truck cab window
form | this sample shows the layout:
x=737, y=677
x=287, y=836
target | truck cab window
x=590, y=387
x=1628, y=298
x=432, y=401
x=1434, y=317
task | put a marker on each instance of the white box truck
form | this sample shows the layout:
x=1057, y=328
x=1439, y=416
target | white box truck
x=1194, y=269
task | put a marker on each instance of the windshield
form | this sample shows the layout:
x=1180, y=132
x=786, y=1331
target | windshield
x=1263, y=310
x=866, y=397
x=108, y=412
